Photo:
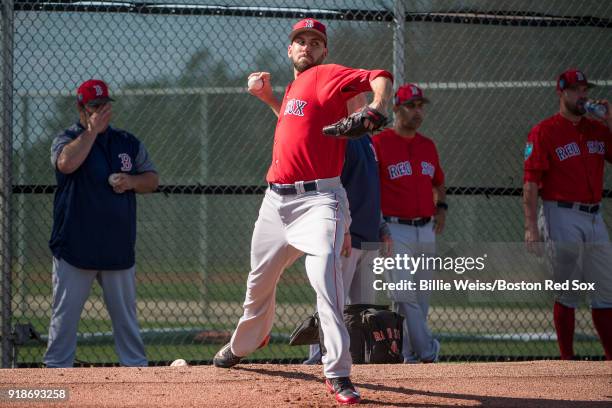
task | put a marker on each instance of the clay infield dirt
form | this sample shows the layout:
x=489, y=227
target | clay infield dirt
x=521, y=384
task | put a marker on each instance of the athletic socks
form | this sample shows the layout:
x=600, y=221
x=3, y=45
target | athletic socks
x=602, y=320
x=564, y=318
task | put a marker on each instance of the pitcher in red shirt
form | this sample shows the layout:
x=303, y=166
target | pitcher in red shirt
x=564, y=165
x=305, y=209
x=413, y=204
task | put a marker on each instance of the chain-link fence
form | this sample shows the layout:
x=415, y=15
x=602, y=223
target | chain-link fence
x=178, y=74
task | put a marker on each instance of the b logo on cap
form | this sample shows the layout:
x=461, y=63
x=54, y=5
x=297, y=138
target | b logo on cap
x=99, y=90
x=414, y=90
x=579, y=76
x=309, y=23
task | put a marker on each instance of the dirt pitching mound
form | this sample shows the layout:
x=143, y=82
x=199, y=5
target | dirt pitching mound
x=526, y=384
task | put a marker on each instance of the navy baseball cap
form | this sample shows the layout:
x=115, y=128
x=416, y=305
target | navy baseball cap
x=93, y=92
x=311, y=25
x=571, y=78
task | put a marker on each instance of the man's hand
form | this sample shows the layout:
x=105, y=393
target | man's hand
x=376, y=125
x=74, y=153
x=532, y=241
x=608, y=118
x=530, y=201
x=98, y=121
x=346, y=245
x=386, y=248
x=121, y=182
x=264, y=93
x=439, y=220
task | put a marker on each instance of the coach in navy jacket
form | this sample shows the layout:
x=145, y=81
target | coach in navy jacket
x=99, y=169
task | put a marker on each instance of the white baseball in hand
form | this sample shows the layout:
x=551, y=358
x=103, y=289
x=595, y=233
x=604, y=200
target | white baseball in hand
x=255, y=83
x=113, y=179
x=179, y=363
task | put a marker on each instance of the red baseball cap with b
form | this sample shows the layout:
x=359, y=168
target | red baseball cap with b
x=409, y=93
x=93, y=92
x=311, y=25
x=572, y=77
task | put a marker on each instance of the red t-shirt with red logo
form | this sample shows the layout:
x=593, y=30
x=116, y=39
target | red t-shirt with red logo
x=409, y=169
x=316, y=98
x=566, y=160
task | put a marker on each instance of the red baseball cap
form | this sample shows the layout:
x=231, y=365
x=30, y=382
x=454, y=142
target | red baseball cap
x=572, y=77
x=409, y=93
x=309, y=24
x=93, y=92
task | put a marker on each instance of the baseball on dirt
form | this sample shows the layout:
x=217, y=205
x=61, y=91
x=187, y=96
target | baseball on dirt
x=179, y=363
x=255, y=84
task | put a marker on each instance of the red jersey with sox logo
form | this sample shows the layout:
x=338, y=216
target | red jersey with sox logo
x=566, y=160
x=316, y=98
x=409, y=169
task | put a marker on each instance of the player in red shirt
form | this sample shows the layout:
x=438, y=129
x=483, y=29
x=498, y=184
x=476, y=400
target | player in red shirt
x=305, y=210
x=413, y=194
x=564, y=164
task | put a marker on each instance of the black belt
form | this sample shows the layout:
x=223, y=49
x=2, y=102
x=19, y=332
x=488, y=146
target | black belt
x=415, y=222
x=289, y=189
x=591, y=209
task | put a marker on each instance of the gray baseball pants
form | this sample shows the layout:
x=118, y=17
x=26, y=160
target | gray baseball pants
x=578, y=247
x=358, y=279
x=414, y=241
x=71, y=288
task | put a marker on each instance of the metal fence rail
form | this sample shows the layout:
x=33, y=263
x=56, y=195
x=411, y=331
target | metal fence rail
x=178, y=74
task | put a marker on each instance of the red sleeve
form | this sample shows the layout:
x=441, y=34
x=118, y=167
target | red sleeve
x=438, y=178
x=536, y=156
x=348, y=81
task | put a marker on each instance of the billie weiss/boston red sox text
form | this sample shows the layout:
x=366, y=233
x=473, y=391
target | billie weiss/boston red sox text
x=477, y=285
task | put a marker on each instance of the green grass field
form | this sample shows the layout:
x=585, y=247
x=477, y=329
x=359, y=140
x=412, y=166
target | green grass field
x=174, y=295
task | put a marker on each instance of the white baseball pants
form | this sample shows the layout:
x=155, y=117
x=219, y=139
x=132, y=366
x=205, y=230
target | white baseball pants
x=289, y=226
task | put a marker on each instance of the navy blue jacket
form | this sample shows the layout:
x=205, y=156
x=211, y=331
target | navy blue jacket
x=94, y=227
x=362, y=184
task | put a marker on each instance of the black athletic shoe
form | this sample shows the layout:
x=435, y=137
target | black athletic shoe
x=343, y=389
x=225, y=358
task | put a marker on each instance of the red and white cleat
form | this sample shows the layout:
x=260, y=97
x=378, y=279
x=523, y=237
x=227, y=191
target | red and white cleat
x=343, y=389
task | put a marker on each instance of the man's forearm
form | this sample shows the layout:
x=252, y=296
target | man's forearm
x=273, y=102
x=145, y=182
x=439, y=194
x=356, y=102
x=275, y=105
x=530, y=204
x=382, y=87
x=75, y=152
